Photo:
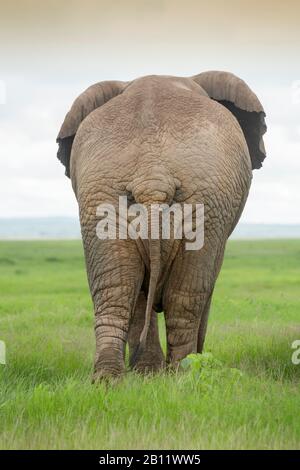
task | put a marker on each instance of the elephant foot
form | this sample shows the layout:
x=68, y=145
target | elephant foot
x=106, y=376
x=109, y=366
x=176, y=355
x=174, y=368
x=149, y=368
x=150, y=363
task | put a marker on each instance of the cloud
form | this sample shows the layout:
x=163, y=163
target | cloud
x=32, y=181
x=274, y=195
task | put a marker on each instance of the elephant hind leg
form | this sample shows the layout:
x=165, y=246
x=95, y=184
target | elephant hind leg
x=115, y=272
x=152, y=359
x=205, y=313
x=182, y=314
x=203, y=325
x=184, y=300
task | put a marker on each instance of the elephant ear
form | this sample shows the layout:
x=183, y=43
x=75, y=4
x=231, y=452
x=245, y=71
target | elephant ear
x=237, y=97
x=93, y=97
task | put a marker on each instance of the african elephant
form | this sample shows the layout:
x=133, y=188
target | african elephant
x=159, y=139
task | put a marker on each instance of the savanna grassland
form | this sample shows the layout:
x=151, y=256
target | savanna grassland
x=246, y=394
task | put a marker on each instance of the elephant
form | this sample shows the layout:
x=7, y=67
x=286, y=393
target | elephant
x=159, y=140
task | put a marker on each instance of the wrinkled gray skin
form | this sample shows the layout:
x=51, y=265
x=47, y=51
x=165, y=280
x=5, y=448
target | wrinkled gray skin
x=159, y=140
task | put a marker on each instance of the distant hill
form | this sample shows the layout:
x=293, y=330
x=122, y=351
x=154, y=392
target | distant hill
x=69, y=228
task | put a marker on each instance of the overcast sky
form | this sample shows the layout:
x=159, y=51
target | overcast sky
x=51, y=51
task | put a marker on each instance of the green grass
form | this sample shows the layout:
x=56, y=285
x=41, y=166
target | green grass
x=47, y=401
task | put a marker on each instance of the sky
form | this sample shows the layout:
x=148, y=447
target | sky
x=51, y=51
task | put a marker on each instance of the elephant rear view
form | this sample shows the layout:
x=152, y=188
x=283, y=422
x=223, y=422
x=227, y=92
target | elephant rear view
x=158, y=142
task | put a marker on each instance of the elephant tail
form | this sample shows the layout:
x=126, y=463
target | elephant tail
x=154, y=267
x=159, y=191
